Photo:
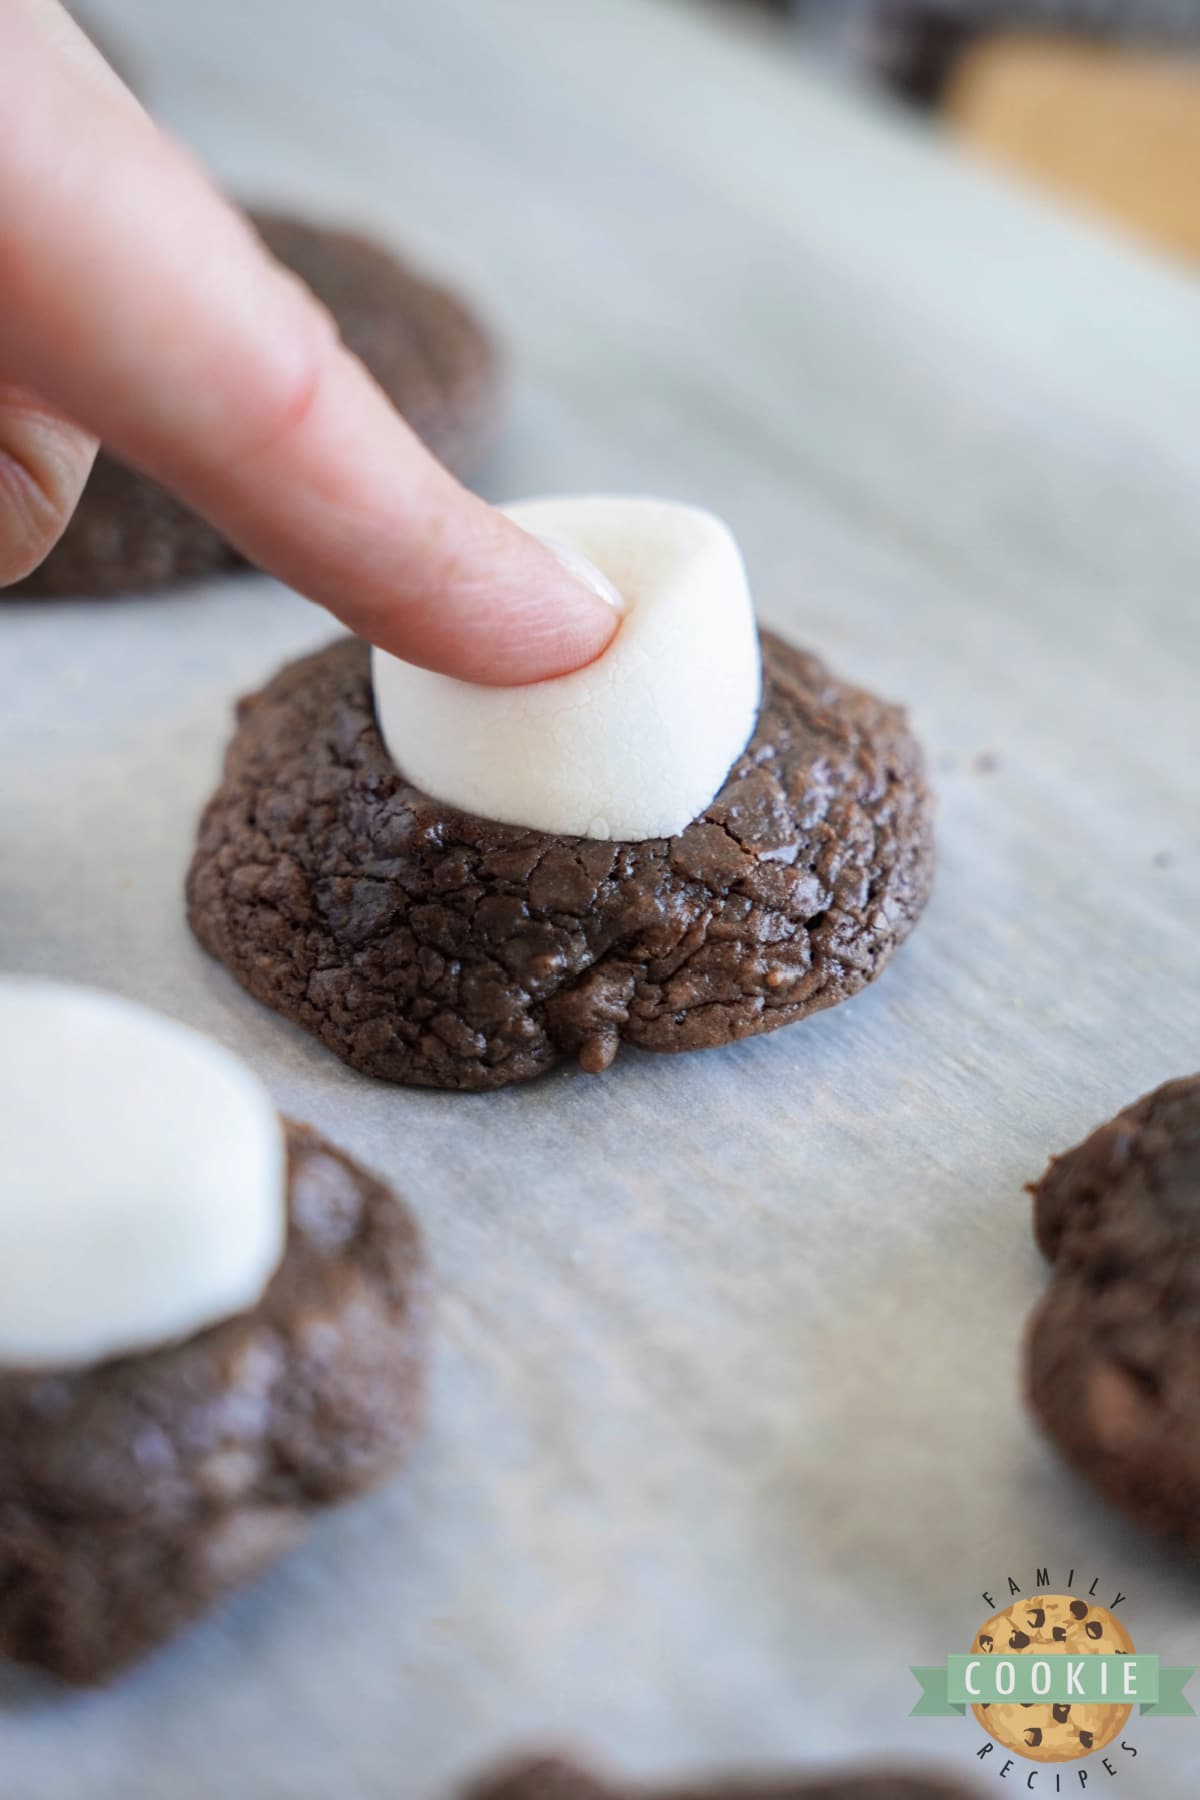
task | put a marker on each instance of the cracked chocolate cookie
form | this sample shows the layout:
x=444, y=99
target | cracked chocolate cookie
x=425, y=945
x=1113, y=1352
x=552, y=1778
x=134, y=1493
x=428, y=353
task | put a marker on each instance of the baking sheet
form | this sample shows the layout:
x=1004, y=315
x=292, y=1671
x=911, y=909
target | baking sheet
x=724, y=1428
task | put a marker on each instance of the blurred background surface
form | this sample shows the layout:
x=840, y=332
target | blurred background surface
x=1098, y=101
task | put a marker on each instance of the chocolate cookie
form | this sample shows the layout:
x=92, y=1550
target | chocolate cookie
x=135, y=1493
x=425, y=349
x=425, y=945
x=550, y=1778
x=1114, y=1347
x=1053, y=1625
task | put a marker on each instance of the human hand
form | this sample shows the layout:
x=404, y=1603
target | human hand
x=137, y=306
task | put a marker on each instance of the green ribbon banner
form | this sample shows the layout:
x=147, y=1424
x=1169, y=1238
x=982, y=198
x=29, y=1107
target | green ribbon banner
x=1170, y=1703
x=963, y=1681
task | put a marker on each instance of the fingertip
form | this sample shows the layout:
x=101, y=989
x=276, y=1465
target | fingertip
x=591, y=629
x=473, y=596
x=584, y=571
x=549, y=612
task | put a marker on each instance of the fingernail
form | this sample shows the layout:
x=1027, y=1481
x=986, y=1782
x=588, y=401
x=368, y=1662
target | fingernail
x=585, y=572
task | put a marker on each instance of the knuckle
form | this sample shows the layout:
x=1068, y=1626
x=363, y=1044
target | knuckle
x=296, y=389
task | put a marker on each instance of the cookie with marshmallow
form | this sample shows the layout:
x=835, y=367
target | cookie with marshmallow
x=702, y=836
x=212, y=1324
x=635, y=745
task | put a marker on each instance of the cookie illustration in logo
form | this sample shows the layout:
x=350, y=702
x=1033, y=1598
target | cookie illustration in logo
x=1052, y=1625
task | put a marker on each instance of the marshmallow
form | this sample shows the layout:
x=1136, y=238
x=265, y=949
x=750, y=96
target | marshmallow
x=636, y=744
x=143, y=1188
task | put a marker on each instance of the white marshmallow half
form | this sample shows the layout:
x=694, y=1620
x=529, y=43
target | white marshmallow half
x=142, y=1178
x=638, y=743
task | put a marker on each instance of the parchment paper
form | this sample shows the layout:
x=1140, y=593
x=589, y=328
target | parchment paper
x=725, y=1429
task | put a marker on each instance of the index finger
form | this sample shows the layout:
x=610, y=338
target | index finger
x=143, y=306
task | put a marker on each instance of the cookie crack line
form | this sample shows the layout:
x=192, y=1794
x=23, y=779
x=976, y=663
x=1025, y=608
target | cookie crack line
x=425, y=945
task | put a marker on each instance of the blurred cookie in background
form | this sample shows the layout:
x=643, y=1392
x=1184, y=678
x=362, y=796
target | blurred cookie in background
x=915, y=46
x=1113, y=1348
x=424, y=346
x=559, y=1778
x=1116, y=128
x=1098, y=100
